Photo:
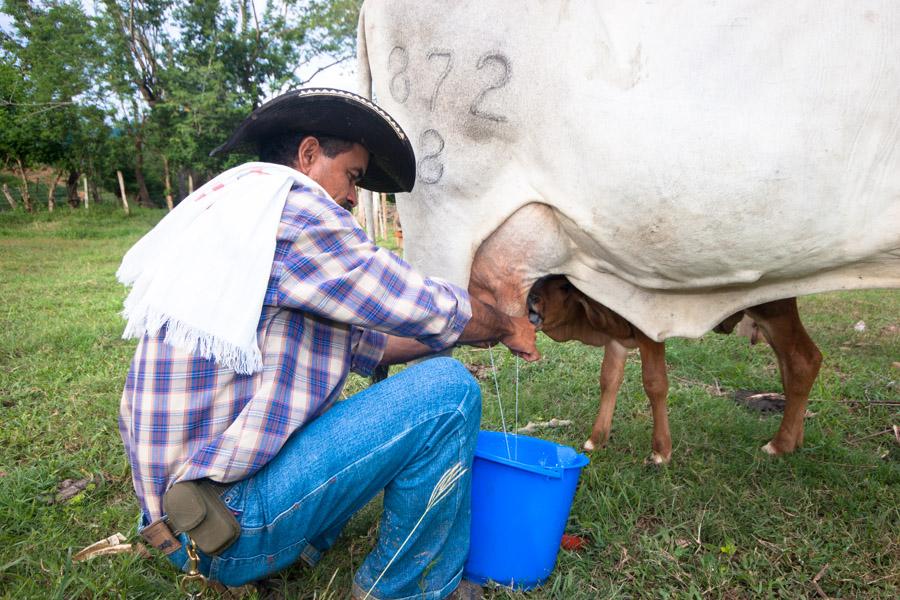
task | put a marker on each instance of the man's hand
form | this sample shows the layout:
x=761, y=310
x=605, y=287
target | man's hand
x=489, y=325
x=522, y=340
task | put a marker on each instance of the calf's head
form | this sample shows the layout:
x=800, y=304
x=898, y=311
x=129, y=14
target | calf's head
x=564, y=313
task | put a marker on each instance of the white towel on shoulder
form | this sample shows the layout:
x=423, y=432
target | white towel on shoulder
x=202, y=271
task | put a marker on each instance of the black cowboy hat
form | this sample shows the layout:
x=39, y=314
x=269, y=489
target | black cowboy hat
x=334, y=113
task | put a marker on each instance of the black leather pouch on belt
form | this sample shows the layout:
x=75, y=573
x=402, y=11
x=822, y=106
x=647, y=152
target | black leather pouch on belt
x=195, y=507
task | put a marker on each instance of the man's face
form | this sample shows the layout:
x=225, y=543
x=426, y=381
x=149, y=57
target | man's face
x=337, y=175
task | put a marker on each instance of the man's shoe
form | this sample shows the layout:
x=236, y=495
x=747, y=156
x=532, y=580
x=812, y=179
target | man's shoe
x=467, y=590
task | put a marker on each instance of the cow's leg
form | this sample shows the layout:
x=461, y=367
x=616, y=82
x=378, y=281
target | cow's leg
x=798, y=363
x=612, y=372
x=656, y=384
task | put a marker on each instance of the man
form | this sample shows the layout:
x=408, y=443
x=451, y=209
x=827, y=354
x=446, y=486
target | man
x=252, y=301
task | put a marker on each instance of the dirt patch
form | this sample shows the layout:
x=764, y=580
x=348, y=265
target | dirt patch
x=648, y=524
x=765, y=402
x=479, y=372
x=43, y=175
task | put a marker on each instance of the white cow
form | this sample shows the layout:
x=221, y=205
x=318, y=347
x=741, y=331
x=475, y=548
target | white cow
x=677, y=161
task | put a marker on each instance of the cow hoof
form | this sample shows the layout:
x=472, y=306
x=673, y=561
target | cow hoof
x=770, y=449
x=588, y=446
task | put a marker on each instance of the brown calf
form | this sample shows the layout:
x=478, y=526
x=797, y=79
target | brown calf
x=565, y=313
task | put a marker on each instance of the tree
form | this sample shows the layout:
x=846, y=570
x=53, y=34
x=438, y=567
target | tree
x=46, y=84
x=16, y=101
x=233, y=55
x=135, y=44
x=169, y=79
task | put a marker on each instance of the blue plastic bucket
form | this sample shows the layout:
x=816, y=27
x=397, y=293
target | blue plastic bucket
x=520, y=505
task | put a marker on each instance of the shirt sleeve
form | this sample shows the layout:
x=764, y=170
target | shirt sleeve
x=366, y=349
x=333, y=270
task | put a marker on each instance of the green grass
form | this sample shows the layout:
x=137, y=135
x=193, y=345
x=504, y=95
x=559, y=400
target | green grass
x=722, y=520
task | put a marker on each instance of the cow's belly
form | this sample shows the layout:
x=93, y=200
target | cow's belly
x=534, y=241
x=698, y=159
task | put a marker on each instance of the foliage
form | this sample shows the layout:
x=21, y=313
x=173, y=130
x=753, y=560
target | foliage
x=149, y=87
x=721, y=521
x=48, y=113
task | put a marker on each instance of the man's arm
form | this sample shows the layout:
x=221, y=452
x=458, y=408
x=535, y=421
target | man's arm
x=400, y=350
x=487, y=326
x=333, y=270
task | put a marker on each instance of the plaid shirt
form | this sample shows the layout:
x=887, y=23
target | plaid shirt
x=331, y=293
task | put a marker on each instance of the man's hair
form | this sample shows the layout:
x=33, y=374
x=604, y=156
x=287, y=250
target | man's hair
x=282, y=150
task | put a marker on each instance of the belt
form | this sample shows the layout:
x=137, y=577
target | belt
x=160, y=536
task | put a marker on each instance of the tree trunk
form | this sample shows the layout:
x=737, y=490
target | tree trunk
x=92, y=184
x=181, y=183
x=190, y=183
x=122, y=189
x=86, y=201
x=143, y=197
x=169, y=202
x=9, y=198
x=96, y=198
x=51, y=201
x=26, y=197
x=72, y=189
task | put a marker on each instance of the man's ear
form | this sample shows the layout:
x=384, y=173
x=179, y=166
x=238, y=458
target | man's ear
x=307, y=153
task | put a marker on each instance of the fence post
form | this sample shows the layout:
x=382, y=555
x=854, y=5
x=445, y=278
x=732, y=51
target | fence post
x=360, y=211
x=169, y=203
x=51, y=201
x=9, y=198
x=122, y=190
x=384, y=218
x=366, y=201
x=376, y=214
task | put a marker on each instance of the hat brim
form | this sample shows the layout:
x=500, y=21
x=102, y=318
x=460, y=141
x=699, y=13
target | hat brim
x=335, y=113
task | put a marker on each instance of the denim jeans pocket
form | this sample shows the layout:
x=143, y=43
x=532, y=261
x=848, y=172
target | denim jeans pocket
x=235, y=497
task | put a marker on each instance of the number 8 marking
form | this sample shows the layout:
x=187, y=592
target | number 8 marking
x=399, y=82
x=430, y=168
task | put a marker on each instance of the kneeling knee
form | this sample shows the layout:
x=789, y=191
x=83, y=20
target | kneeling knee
x=453, y=382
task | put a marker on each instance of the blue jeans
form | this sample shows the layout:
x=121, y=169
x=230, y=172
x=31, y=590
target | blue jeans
x=399, y=436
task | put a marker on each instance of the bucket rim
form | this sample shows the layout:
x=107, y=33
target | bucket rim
x=556, y=471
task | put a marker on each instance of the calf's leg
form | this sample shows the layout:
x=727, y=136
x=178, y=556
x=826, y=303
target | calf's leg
x=612, y=371
x=798, y=362
x=656, y=384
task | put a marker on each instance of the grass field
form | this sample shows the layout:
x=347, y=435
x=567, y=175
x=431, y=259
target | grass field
x=721, y=521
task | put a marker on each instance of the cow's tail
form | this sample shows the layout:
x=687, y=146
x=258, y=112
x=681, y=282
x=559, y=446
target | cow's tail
x=364, y=72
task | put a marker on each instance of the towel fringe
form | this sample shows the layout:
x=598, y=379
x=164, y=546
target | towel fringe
x=145, y=319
